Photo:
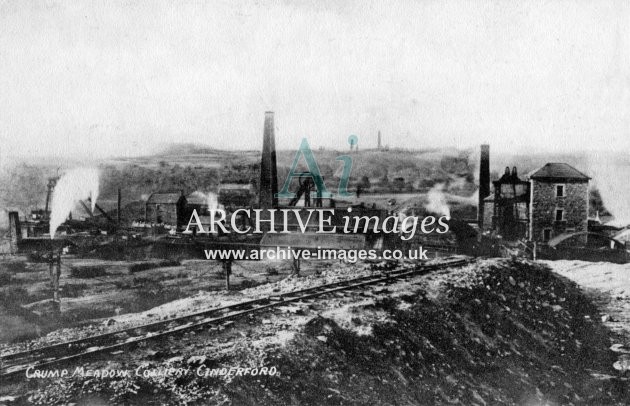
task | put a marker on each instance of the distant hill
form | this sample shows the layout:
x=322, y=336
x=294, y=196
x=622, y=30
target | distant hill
x=185, y=149
x=191, y=167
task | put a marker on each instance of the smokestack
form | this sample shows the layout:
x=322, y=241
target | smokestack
x=379, y=140
x=484, y=182
x=50, y=188
x=268, y=169
x=15, y=231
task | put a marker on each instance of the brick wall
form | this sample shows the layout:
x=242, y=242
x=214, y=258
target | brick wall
x=545, y=202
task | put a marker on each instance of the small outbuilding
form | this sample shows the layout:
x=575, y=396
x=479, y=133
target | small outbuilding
x=623, y=236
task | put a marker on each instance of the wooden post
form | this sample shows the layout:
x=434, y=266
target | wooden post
x=56, y=299
x=295, y=268
x=54, y=271
x=51, y=264
x=534, y=253
x=227, y=268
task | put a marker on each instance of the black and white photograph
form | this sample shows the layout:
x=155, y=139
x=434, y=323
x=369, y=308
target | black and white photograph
x=302, y=202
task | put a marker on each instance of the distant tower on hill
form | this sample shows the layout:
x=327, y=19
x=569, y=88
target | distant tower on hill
x=379, y=146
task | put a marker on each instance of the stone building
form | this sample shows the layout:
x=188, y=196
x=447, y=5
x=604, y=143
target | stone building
x=559, y=201
x=553, y=200
x=166, y=208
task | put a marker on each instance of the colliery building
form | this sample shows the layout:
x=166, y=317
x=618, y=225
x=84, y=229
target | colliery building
x=552, y=201
x=507, y=210
x=166, y=208
x=559, y=195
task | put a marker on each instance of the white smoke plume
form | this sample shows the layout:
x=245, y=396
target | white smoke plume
x=472, y=200
x=76, y=184
x=610, y=176
x=437, y=201
x=211, y=199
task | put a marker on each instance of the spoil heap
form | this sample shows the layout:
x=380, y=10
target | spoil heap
x=498, y=332
x=509, y=333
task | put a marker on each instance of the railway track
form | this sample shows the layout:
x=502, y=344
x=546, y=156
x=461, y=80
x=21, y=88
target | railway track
x=16, y=364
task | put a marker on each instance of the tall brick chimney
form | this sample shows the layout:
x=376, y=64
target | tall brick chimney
x=484, y=181
x=15, y=231
x=268, y=170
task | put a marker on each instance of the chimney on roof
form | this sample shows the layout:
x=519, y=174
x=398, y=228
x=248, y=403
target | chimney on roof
x=484, y=181
x=268, y=168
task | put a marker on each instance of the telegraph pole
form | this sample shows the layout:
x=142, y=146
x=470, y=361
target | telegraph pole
x=54, y=270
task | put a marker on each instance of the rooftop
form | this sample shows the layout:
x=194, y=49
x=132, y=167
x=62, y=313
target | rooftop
x=558, y=171
x=235, y=186
x=165, y=197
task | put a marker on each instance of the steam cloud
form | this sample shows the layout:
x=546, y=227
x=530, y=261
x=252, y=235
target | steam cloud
x=610, y=176
x=437, y=201
x=472, y=200
x=76, y=184
x=211, y=199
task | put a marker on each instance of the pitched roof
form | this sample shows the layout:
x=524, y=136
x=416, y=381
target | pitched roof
x=623, y=234
x=558, y=171
x=235, y=186
x=164, y=197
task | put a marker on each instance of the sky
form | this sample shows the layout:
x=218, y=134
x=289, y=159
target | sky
x=121, y=78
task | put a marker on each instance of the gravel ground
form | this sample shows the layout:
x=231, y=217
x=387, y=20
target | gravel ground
x=608, y=285
x=495, y=332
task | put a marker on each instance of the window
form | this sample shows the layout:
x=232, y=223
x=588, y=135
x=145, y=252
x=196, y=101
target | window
x=560, y=191
x=546, y=234
x=559, y=214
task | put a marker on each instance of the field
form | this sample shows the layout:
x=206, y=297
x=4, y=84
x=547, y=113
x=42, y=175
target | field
x=494, y=332
x=94, y=290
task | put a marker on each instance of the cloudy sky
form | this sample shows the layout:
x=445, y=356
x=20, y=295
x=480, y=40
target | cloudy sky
x=110, y=78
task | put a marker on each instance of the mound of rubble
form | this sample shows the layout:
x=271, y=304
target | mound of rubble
x=514, y=334
x=497, y=332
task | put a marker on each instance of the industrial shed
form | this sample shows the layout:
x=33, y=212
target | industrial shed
x=623, y=236
x=585, y=246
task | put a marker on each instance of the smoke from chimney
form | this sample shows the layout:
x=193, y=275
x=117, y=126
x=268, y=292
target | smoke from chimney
x=437, y=201
x=210, y=198
x=610, y=176
x=77, y=184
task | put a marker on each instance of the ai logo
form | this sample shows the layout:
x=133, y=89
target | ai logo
x=315, y=175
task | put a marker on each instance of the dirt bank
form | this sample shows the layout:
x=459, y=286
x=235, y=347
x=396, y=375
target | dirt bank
x=497, y=332
x=608, y=286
